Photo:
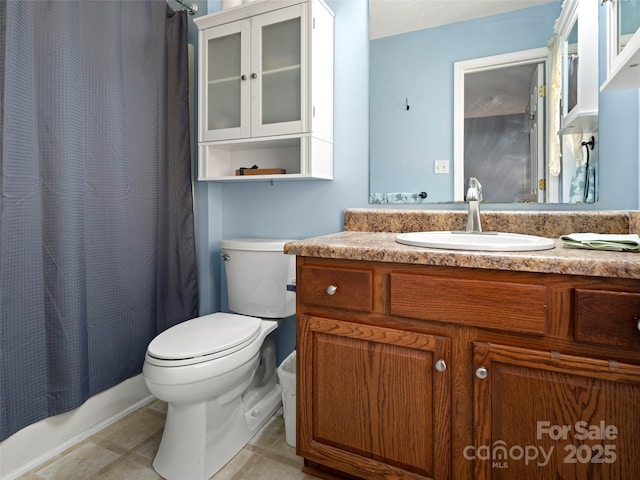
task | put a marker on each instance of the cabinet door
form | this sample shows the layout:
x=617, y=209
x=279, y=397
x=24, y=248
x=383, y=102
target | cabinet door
x=623, y=28
x=225, y=93
x=373, y=402
x=278, y=72
x=544, y=415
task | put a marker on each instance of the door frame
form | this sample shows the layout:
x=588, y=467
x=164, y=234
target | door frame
x=460, y=69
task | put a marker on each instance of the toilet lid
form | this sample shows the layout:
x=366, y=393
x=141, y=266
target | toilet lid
x=202, y=336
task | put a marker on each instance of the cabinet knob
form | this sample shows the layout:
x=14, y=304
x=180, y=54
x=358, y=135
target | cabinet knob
x=243, y=77
x=254, y=75
x=441, y=365
x=482, y=373
x=332, y=289
x=638, y=323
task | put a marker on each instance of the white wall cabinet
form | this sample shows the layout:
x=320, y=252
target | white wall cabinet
x=576, y=25
x=623, y=45
x=266, y=91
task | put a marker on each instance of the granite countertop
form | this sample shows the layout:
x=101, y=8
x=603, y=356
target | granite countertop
x=380, y=246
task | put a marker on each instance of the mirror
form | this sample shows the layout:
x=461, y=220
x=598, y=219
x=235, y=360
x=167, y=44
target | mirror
x=412, y=92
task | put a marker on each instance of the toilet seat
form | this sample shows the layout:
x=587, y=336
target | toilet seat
x=203, y=339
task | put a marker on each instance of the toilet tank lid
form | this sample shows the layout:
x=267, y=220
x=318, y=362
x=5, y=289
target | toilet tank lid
x=255, y=244
x=207, y=335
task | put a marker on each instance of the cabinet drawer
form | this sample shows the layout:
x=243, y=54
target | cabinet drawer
x=608, y=318
x=497, y=305
x=349, y=289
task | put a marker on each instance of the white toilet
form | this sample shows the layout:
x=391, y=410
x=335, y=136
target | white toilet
x=218, y=372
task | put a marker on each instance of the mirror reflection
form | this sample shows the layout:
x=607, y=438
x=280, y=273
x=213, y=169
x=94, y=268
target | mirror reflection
x=419, y=151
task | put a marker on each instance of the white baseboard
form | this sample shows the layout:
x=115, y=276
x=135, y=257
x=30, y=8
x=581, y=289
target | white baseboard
x=43, y=440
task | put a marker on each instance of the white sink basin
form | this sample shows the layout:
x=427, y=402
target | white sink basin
x=483, y=241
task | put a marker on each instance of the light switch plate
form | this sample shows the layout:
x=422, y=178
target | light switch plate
x=441, y=166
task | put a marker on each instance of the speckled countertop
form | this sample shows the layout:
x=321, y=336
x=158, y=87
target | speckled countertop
x=370, y=235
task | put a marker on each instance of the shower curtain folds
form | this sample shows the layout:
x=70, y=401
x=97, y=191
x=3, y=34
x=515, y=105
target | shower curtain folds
x=97, y=251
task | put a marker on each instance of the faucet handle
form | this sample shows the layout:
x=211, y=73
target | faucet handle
x=475, y=189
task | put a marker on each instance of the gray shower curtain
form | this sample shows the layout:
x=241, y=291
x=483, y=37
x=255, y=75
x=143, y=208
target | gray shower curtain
x=97, y=251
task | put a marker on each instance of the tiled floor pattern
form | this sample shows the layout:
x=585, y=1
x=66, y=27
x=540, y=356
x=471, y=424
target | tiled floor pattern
x=125, y=450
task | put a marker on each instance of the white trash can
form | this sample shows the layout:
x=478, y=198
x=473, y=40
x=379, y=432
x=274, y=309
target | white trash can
x=287, y=377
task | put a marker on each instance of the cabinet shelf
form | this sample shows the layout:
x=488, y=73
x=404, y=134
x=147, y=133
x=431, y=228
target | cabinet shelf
x=218, y=81
x=580, y=122
x=236, y=78
x=219, y=160
x=275, y=71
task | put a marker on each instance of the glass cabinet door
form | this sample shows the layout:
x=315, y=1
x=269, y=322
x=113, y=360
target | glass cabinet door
x=628, y=21
x=279, y=60
x=623, y=17
x=227, y=85
x=571, y=62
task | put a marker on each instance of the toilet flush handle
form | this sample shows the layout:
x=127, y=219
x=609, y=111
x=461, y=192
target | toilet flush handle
x=225, y=257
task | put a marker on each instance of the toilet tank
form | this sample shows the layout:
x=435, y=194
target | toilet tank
x=258, y=273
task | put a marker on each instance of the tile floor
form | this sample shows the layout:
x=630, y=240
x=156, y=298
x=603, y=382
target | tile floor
x=125, y=450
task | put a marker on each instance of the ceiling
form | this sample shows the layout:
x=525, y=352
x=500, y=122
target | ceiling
x=392, y=17
x=504, y=91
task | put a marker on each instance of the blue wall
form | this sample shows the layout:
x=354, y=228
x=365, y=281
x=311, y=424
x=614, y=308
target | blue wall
x=619, y=121
x=299, y=209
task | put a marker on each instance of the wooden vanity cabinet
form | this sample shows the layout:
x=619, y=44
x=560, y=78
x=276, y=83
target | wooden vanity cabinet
x=417, y=372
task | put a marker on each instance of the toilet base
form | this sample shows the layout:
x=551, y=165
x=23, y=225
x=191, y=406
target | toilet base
x=200, y=439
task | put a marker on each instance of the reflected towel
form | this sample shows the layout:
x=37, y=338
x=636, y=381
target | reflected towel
x=602, y=241
x=396, y=197
x=583, y=185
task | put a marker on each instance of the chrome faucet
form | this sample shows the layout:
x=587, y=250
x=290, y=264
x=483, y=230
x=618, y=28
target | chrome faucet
x=474, y=197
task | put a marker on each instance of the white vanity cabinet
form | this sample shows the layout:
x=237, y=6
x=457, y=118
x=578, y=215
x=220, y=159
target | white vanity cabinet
x=578, y=27
x=623, y=45
x=265, y=91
